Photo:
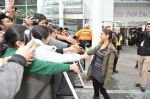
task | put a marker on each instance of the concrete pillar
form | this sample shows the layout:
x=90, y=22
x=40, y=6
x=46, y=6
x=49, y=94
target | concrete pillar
x=6, y=2
x=107, y=13
x=26, y=8
x=40, y=4
x=61, y=13
x=96, y=26
x=96, y=21
x=83, y=9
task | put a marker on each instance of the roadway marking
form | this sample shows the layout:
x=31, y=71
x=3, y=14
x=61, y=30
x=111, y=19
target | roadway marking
x=90, y=88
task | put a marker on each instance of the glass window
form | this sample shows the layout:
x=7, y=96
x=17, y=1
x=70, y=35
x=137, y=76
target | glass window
x=2, y=2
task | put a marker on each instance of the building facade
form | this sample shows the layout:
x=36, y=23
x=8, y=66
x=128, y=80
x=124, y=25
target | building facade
x=78, y=12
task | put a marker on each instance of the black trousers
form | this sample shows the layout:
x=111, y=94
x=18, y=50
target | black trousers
x=116, y=58
x=99, y=86
x=115, y=63
x=85, y=43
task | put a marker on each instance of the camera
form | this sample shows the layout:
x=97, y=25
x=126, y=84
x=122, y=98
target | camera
x=27, y=36
x=134, y=36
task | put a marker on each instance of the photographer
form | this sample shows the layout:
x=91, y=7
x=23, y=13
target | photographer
x=144, y=57
x=135, y=38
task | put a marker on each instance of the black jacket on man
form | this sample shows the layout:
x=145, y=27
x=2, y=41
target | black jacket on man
x=144, y=46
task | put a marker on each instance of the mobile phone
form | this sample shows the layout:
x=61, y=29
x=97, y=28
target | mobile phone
x=15, y=8
x=27, y=36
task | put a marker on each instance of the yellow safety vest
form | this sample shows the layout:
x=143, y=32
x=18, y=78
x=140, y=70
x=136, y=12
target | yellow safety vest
x=119, y=42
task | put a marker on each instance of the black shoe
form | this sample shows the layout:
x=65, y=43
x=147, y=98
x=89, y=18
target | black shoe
x=94, y=97
x=143, y=89
x=136, y=66
x=115, y=71
x=138, y=85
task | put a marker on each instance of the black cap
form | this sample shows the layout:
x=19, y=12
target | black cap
x=2, y=16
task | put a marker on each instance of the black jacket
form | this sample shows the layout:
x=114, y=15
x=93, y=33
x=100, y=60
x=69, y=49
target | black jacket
x=144, y=47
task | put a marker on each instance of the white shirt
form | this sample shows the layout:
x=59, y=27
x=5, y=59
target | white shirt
x=48, y=53
x=1, y=62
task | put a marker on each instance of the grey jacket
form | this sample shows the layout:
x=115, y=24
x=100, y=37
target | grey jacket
x=58, y=44
x=11, y=77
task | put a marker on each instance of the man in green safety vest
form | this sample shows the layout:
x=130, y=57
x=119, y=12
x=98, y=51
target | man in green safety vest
x=117, y=41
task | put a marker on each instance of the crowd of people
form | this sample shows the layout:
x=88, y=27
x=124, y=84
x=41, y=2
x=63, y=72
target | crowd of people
x=37, y=46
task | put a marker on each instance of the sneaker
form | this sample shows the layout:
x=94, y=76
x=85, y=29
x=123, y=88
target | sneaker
x=136, y=66
x=143, y=89
x=138, y=85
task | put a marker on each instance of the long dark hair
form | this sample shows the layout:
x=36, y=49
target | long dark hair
x=14, y=33
x=108, y=32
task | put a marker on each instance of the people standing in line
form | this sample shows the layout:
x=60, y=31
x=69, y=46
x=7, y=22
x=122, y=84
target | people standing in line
x=37, y=66
x=85, y=36
x=11, y=70
x=117, y=41
x=5, y=22
x=51, y=53
x=144, y=58
x=40, y=19
x=101, y=68
x=6, y=15
x=49, y=22
x=65, y=32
